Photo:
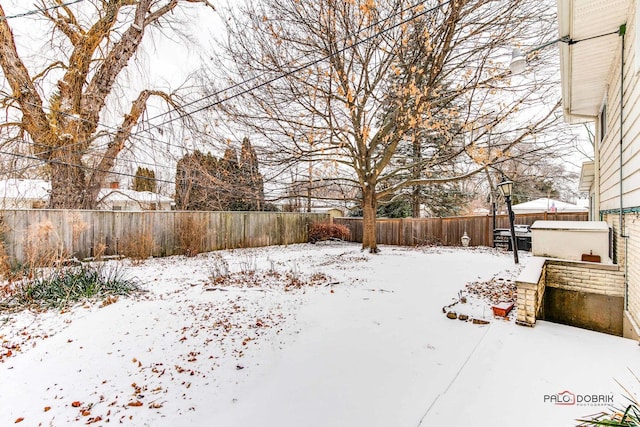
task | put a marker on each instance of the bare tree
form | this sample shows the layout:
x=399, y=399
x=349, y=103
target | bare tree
x=62, y=115
x=363, y=79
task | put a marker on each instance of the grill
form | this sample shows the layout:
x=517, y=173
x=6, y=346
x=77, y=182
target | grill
x=502, y=238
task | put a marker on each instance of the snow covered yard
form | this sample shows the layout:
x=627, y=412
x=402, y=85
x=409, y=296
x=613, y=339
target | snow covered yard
x=315, y=335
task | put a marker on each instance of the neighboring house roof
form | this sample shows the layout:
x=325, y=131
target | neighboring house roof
x=481, y=211
x=123, y=195
x=24, y=189
x=547, y=205
x=587, y=176
x=325, y=209
x=39, y=190
x=586, y=62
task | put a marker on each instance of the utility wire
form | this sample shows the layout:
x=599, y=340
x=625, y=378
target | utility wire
x=33, y=12
x=301, y=67
x=242, y=83
x=247, y=81
x=88, y=168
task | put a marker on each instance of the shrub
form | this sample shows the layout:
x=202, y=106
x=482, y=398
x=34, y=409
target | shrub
x=191, y=234
x=218, y=268
x=616, y=417
x=627, y=415
x=6, y=271
x=137, y=246
x=61, y=287
x=43, y=246
x=321, y=231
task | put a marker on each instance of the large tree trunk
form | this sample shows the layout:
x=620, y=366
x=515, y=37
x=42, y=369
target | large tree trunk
x=369, y=207
x=65, y=131
x=67, y=187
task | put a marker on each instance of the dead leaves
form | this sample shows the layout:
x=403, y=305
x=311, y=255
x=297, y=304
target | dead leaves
x=207, y=335
x=12, y=345
x=495, y=290
x=110, y=299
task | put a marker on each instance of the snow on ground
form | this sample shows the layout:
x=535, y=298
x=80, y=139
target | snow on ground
x=318, y=335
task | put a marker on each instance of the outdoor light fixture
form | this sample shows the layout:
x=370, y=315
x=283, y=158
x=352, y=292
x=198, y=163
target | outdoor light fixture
x=518, y=62
x=506, y=189
x=519, y=59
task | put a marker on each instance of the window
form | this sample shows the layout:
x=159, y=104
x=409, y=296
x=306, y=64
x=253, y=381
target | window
x=602, y=121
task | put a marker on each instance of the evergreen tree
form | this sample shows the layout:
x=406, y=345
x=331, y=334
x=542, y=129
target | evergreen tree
x=204, y=182
x=145, y=180
x=253, y=197
x=193, y=173
x=442, y=200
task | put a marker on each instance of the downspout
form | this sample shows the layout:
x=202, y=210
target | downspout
x=623, y=234
x=623, y=29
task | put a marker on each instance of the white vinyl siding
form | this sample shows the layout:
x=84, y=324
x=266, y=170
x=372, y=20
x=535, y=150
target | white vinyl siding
x=631, y=127
x=610, y=148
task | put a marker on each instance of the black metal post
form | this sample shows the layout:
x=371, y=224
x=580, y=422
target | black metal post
x=493, y=212
x=514, y=241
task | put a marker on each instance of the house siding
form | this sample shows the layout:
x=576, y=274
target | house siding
x=616, y=185
x=633, y=270
x=627, y=251
x=626, y=239
x=609, y=160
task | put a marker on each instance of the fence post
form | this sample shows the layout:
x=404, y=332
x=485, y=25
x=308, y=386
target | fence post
x=488, y=233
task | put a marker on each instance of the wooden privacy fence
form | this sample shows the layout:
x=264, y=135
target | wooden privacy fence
x=447, y=231
x=83, y=233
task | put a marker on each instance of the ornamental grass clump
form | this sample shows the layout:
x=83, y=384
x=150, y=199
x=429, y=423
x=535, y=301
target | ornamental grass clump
x=616, y=417
x=627, y=415
x=62, y=287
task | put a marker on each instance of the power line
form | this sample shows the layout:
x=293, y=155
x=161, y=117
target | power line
x=88, y=168
x=93, y=149
x=293, y=61
x=300, y=68
x=33, y=12
x=295, y=70
x=267, y=82
x=237, y=85
x=260, y=85
x=160, y=180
